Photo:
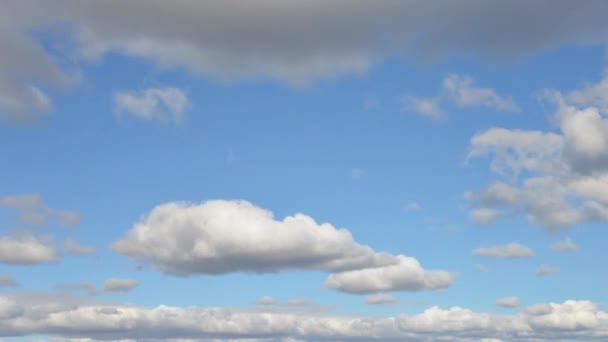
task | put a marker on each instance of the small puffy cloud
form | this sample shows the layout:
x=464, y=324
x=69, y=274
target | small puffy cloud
x=8, y=281
x=431, y=108
x=459, y=90
x=74, y=248
x=266, y=300
x=357, y=173
x=508, y=302
x=509, y=251
x=564, y=246
x=25, y=249
x=119, y=285
x=413, y=206
x=463, y=92
x=544, y=270
x=485, y=216
x=153, y=103
x=32, y=211
x=380, y=299
x=298, y=302
x=406, y=275
x=89, y=288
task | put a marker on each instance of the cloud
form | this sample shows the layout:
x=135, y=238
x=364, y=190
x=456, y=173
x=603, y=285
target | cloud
x=413, y=206
x=266, y=300
x=25, y=249
x=543, y=270
x=558, y=179
x=74, y=248
x=459, y=90
x=317, y=41
x=8, y=281
x=509, y=251
x=32, y=211
x=218, y=237
x=481, y=268
x=564, y=246
x=380, y=299
x=109, y=285
x=119, y=285
x=406, y=275
x=154, y=103
x=508, y=302
x=25, y=314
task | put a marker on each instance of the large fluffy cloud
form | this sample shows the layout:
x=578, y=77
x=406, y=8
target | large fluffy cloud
x=37, y=314
x=557, y=179
x=291, y=41
x=220, y=236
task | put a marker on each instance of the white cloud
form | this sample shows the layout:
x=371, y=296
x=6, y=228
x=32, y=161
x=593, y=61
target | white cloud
x=153, y=103
x=461, y=91
x=508, y=302
x=57, y=317
x=25, y=248
x=543, y=270
x=481, y=268
x=220, y=236
x=509, y=251
x=406, y=275
x=380, y=299
x=557, y=180
x=266, y=300
x=564, y=246
x=8, y=281
x=413, y=206
x=74, y=248
x=32, y=211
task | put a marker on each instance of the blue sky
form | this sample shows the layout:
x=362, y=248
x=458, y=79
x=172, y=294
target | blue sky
x=319, y=172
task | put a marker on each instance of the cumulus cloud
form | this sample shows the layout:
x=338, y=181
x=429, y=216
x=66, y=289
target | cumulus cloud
x=154, y=103
x=8, y=281
x=508, y=302
x=32, y=211
x=380, y=299
x=25, y=249
x=406, y=275
x=61, y=317
x=219, y=236
x=509, y=251
x=74, y=248
x=459, y=90
x=564, y=246
x=119, y=285
x=556, y=179
x=544, y=270
x=317, y=40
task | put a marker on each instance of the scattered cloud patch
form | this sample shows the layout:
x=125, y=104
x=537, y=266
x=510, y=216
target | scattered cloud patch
x=119, y=285
x=32, y=211
x=164, y=104
x=564, y=246
x=380, y=299
x=8, y=281
x=481, y=268
x=74, y=248
x=413, y=206
x=544, y=270
x=266, y=300
x=508, y=251
x=459, y=90
x=508, y=302
x=25, y=249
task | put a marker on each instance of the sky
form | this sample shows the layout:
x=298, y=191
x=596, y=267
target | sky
x=283, y=171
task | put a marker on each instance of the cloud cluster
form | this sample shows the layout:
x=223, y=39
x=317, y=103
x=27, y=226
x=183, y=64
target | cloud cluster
x=219, y=236
x=32, y=211
x=461, y=91
x=74, y=248
x=240, y=42
x=109, y=285
x=556, y=179
x=62, y=317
